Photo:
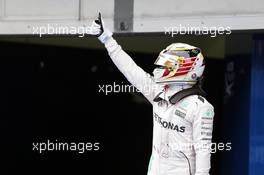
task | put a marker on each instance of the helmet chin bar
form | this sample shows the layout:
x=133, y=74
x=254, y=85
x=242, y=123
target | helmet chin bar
x=177, y=82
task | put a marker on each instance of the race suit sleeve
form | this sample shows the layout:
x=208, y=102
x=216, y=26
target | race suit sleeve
x=202, y=137
x=133, y=73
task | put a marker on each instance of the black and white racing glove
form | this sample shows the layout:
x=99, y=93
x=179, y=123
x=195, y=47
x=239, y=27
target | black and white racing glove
x=100, y=31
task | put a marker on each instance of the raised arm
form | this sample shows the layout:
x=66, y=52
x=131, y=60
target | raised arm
x=134, y=74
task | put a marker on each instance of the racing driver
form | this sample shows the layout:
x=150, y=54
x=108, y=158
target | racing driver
x=182, y=117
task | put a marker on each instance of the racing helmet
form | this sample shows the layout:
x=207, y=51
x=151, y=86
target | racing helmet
x=179, y=63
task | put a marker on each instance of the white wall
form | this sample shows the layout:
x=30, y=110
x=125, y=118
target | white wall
x=19, y=16
x=153, y=16
x=39, y=9
x=183, y=8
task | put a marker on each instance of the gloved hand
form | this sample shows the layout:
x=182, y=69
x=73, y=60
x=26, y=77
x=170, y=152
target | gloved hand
x=100, y=31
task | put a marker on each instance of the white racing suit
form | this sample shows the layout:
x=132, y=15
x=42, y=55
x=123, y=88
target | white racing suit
x=182, y=132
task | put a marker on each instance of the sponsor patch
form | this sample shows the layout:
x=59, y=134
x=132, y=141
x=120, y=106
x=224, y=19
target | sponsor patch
x=168, y=125
x=206, y=128
x=206, y=139
x=209, y=113
x=180, y=113
x=207, y=118
x=184, y=104
x=206, y=133
x=206, y=123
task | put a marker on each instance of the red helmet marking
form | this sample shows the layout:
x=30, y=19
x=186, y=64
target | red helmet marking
x=166, y=72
